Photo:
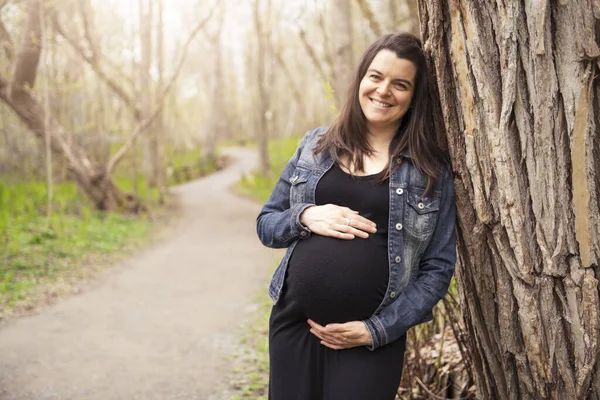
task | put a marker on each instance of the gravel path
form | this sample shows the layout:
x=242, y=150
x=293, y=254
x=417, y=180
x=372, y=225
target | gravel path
x=159, y=325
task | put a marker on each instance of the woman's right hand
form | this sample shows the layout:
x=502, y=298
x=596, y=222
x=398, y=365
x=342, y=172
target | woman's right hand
x=336, y=221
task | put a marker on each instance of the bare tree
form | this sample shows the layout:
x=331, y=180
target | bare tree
x=411, y=18
x=216, y=117
x=150, y=160
x=341, y=39
x=519, y=91
x=18, y=93
x=367, y=12
x=46, y=100
x=159, y=124
x=263, y=96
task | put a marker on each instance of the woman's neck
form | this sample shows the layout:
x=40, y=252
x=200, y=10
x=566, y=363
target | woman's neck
x=380, y=138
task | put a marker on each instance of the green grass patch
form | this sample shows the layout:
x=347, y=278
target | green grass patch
x=259, y=187
x=35, y=249
x=37, y=252
x=181, y=163
x=250, y=377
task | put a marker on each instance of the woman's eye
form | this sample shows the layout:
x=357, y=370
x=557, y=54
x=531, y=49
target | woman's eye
x=374, y=77
x=400, y=86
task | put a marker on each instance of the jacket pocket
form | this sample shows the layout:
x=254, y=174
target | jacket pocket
x=299, y=181
x=421, y=214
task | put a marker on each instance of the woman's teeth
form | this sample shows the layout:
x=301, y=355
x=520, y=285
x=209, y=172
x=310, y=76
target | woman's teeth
x=380, y=104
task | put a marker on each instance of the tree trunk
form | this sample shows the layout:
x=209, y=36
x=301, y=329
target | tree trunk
x=90, y=178
x=341, y=39
x=392, y=15
x=150, y=142
x=216, y=116
x=263, y=96
x=412, y=17
x=519, y=92
x=18, y=95
x=159, y=125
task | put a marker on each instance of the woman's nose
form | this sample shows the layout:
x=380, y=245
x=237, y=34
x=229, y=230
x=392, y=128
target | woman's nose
x=383, y=89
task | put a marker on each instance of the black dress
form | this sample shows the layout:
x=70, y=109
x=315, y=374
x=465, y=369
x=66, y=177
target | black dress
x=333, y=281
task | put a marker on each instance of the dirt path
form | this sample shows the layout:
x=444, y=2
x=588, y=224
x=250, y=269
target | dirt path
x=158, y=326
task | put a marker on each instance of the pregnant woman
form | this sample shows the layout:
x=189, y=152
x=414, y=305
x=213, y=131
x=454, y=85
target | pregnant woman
x=366, y=210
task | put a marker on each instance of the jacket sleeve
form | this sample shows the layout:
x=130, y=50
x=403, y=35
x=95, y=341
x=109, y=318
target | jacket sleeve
x=415, y=302
x=278, y=224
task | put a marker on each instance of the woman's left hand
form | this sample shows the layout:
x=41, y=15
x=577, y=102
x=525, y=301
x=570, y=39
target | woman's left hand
x=342, y=336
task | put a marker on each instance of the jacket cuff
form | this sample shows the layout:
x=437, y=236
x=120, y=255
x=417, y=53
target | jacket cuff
x=302, y=231
x=376, y=331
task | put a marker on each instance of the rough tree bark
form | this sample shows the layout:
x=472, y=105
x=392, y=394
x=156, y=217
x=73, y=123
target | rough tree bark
x=519, y=105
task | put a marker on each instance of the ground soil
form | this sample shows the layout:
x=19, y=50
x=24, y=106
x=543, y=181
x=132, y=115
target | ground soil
x=159, y=325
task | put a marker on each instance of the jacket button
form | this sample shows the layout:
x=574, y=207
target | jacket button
x=303, y=233
x=399, y=226
x=421, y=206
x=398, y=259
x=393, y=294
x=294, y=179
x=399, y=191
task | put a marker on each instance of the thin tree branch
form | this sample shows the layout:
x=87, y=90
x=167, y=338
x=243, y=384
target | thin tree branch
x=84, y=7
x=288, y=75
x=312, y=54
x=141, y=128
x=92, y=61
x=91, y=36
x=31, y=112
x=327, y=46
x=367, y=12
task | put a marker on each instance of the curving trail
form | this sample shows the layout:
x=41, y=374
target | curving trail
x=160, y=325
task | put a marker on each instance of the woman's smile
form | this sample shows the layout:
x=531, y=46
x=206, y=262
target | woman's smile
x=380, y=104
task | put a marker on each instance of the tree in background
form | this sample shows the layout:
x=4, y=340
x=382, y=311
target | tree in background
x=215, y=119
x=340, y=32
x=17, y=91
x=263, y=110
x=519, y=105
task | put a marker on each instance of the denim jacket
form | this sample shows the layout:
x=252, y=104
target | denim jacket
x=421, y=238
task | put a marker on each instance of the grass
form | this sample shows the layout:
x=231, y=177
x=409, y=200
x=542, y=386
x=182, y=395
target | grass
x=259, y=187
x=176, y=159
x=39, y=253
x=250, y=376
x=35, y=250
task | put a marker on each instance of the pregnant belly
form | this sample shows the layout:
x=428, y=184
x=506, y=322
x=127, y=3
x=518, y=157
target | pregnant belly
x=334, y=280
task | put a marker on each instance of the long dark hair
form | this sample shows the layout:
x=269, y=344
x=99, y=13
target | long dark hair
x=415, y=135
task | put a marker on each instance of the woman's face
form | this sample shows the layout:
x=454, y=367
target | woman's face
x=386, y=90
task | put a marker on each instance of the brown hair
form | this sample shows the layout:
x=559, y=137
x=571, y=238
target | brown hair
x=415, y=135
